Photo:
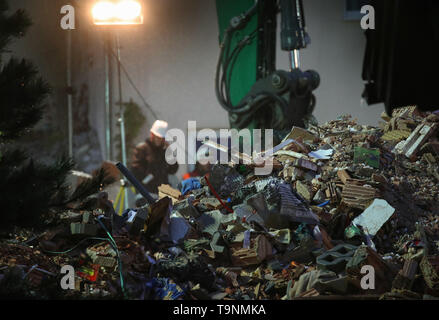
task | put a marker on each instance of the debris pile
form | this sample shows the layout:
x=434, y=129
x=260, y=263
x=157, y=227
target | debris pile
x=349, y=211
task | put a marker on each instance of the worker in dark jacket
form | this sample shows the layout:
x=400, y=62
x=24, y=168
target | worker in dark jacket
x=149, y=164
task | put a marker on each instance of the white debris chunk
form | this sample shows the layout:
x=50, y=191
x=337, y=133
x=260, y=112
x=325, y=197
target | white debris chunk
x=321, y=154
x=375, y=216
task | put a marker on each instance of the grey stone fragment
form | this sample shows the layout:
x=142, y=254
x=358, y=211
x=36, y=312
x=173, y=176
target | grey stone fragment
x=186, y=209
x=84, y=229
x=319, y=197
x=293, y=208
x=336, y=258
x=210, y=222
x=316, y=279
x=258, y=203
x=300, y=254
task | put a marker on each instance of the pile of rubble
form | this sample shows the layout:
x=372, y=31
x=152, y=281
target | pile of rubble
x=349, y=211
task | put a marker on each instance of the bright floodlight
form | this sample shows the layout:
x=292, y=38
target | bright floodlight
x=103, y=11
x=121, y=12
x=128, y=10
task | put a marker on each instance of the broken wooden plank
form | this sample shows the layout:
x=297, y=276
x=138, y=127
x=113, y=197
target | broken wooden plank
x=304, y=190
x=396, y=135
x=301, y=134
x=167, y=191
x=260, y=249
x=289, y=154
x=331, y=192
x=358, y=196
x=417, y=139
x=343, y=175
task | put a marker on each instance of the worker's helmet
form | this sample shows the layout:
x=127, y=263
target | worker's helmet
x=159, y=128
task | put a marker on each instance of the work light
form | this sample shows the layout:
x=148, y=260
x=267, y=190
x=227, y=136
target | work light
x=121, y=12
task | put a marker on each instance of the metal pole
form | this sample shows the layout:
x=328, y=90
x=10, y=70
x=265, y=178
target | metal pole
x=294, y=60
x=121, y=119
x=139, y=187
x=108, y=113
x=69, y=92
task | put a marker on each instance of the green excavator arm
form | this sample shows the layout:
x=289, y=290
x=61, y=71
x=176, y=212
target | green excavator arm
x=247, y=84
x=245, y=67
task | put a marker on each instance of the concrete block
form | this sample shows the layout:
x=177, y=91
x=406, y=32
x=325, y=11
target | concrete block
x=336, y=258
x=85, y=229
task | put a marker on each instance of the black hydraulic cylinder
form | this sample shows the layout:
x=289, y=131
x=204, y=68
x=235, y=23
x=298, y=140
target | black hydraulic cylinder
x=139, y=187
x=293, y=25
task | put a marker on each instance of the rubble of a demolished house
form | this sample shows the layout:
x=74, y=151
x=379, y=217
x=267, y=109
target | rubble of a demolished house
x=341, y=196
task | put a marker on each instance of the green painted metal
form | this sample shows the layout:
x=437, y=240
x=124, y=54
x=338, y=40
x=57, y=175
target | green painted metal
x=244, y=74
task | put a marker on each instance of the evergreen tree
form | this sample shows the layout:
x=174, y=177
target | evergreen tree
x=27, y=188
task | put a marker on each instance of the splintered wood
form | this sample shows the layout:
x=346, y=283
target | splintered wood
x=409, y=111
x=395, y=135
x=301, y=134
x=417, y=139
x=331, y=192
x=359, y=197
x=167, y=191
x=343, y=175
x=260, y=249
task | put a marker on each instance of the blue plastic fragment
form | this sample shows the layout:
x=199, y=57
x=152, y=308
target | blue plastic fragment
x=189, y=185
x=163, y=288
x=323, y=204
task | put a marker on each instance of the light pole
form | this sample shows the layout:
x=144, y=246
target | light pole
x=122, y=111
x=69, y=92
x=108, y=109
x=117, y=13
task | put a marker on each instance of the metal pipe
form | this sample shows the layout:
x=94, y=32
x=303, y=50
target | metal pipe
x=69, y=92
x=139, y=187
x=294, y=59
x=122, y=117
x=108, y=113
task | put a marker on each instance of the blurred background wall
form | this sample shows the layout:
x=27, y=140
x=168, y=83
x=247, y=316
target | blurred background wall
x=171, y=59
